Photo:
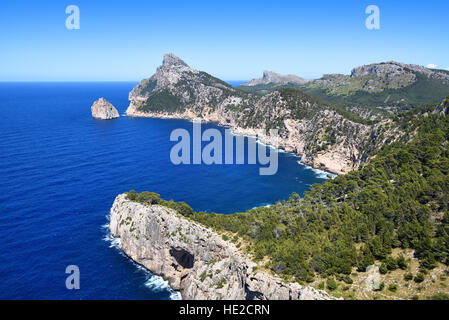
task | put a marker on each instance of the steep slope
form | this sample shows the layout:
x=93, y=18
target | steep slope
x=327, y=137
x=194, y=259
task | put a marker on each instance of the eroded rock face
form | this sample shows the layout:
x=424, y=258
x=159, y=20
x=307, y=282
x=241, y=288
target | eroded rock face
x=102, y=109
x=194, y=259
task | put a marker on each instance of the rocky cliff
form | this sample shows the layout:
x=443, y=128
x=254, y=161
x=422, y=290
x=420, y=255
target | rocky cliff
x=323, y=136
x=102, y=109
x=194, y=259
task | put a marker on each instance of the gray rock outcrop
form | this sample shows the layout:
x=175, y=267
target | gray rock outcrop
x=275, y=78
x=372, y=280
x=195, y=260
x=102, y=109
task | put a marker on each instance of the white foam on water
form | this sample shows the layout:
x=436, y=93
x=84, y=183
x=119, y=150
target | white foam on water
x=154, y=283
x=321, y=174
x=157, y=284
x=113, y=242
x=266, y=205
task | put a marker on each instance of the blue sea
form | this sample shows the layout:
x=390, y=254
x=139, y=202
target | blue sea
x=60, y=171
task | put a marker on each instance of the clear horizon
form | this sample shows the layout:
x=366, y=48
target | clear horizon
x=232, y=40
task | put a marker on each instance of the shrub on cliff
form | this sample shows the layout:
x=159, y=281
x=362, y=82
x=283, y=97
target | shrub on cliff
x=151, y=198
x=183, y=208
x=331, y=284
x=419, y=278
x=132, y=195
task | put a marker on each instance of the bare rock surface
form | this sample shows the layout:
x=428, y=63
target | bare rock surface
x=372, y=280
x=102, y=109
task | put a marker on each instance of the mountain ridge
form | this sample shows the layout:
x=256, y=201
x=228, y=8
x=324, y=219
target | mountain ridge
x=275, y=78
x=376, y=89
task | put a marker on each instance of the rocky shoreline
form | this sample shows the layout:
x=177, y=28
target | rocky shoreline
x=194, y=259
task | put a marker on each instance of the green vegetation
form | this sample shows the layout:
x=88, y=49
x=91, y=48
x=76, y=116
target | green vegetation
x=296, y=98
x=393, y=287
x=440, y=296
x=161, y=100
x=151, y=198
x=408, y=276
x=221, y=283
x=331, y=284
x=419, y=278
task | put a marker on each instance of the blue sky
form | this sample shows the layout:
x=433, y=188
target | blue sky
x=234, y=40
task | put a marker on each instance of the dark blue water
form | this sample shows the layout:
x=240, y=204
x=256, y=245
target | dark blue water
x=61, y=170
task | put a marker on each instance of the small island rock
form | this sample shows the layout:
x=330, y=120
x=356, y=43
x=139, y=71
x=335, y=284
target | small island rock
x=102, y=109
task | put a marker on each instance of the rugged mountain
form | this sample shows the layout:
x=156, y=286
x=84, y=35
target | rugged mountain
x=327, y=137
x=273, y=78
x=175, y=87
x=390, y=84
x=386, y=87
x=194, y=259
x=102, y=109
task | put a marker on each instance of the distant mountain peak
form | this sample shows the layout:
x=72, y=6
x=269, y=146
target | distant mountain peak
x=171, y=60
x=391, y=67
x=276, y=78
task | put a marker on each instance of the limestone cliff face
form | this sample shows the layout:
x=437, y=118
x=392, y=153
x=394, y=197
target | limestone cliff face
x=194, y=259
x=324, y=138
x=102, y=109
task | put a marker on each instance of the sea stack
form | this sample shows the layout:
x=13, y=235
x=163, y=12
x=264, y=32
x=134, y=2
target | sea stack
x=102, y=109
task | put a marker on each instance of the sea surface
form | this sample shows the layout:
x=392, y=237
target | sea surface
x=60, y=171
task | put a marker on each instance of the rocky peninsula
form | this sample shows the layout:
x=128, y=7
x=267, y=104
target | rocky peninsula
x=194, y=259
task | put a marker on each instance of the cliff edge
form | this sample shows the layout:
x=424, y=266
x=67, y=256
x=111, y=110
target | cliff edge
x=195, y=260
